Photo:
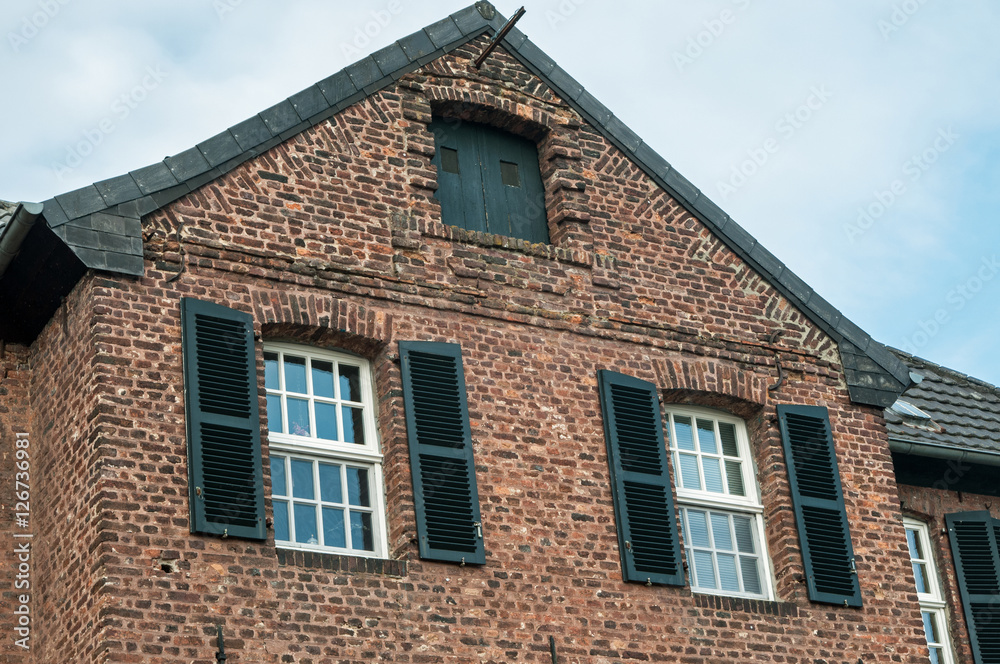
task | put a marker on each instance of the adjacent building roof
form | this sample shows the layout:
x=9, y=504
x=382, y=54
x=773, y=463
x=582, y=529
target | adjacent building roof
x=962, y=412
x=6, y=212
x=100, y=223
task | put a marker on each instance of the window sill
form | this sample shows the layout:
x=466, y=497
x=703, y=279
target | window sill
x=746, y=605
x=335, y=562
x=455, y=234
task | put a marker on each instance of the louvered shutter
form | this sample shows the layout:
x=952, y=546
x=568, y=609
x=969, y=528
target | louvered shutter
x=445, y=495
x=974, y=545
x=223, y=426
x=820, y=513
x=640, y=481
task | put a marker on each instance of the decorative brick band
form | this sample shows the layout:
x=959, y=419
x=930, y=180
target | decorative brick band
x=744, y=605
x=338, y=563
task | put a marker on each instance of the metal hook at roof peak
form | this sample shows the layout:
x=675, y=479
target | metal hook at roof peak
x=499, y=36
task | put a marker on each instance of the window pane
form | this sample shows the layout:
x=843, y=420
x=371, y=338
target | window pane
x=361, y=531
x=326, y=421
x=329, y=483
x=720, y=532
x=350, y=383
x=354, y=425
x=744, y=534
x=357, y=487
x=751, y=577
x=509, y=175
x=322, y=376
x=706, y=437
x=275, y=423
x=930, y=627
x=704, y=569
x=449, y=160
x=689, y=472
x=279, y=485
x=305, y=524
x=271, y=381
x=698, y=532
x=734, y=478
x=295, y=374
x=937, y=656
x=302, y=481
x=713, y=474
x=728, y=578
x=685, y=441
x=727, y=432
x=920, y=576
x=914, y=543
x=280, y=520
x=298, y=417
x=333, y=528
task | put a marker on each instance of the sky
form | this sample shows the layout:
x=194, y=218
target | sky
x=857, y=140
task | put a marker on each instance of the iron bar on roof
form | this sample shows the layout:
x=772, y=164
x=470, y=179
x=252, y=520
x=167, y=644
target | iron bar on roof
x=499, y=36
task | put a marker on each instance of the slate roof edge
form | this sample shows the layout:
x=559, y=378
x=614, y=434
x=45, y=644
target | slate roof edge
x=933, y=366
x=15, y=230
x=902, y=445
x=363, y=78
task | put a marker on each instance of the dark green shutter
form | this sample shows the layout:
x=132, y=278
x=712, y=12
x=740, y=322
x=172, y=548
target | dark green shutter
x=824, y=534
x=223, y=427
x=974, y=544
x=637, y=457
x=498, y=185
x=445, y=495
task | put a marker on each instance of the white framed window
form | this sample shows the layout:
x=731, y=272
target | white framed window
x=326, y=468
x=933, y=608
x=719, y=502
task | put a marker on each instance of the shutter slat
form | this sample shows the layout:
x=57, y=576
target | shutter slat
x=820, y=513
x=445, y=494
x=975, y=546
x=637, y=459
x=225, y=476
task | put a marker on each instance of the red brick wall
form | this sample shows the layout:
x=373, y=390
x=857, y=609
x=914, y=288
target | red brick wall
x=334, y=239
x=931, y=506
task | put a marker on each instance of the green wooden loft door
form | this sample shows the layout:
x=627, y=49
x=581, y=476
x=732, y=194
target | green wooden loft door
x=488, y=180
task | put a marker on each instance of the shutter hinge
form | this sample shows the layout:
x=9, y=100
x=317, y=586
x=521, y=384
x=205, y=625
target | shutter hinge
x=628, y=545
x=478, y=525
x=462, y=564
x=854, y=569
x=225, y=533
x=197, y=491
x=649, y=581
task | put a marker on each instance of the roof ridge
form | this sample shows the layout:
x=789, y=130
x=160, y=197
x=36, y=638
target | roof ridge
x=874, y=375
x=963, y=377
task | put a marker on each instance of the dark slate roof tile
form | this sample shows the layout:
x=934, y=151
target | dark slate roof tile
x=118, y=189
x=469, y=20
x=682, y=186
x=621, y=132
x=853, y=333
x=767, y=261
x=566, y=85
x=79, y=236
x=251, y=132
x=390, y=58
x=364, y=73
x=374, y=87
x=417, y=45
x=81, y=201
x=337, y=88
x=165, y=196
x=743, y=241
x=121, y=244
x=443, y=33
x=153, y=178
x=712, y=212
x=594, y=108
x=795, y=285
x=826, y=311
x=54, y=214
x=514, y=38
x=109, y=223
x=307, y=103
x=537, y=57
x=93, y=258
x=220, y=148
x=281, y=117
x=187, y=164
x=126, y=263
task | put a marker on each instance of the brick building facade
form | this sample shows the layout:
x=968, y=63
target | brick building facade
x=276, y=384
